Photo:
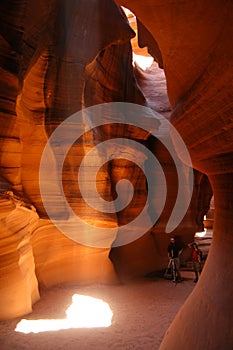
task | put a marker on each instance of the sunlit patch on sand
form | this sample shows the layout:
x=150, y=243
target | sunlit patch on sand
x=84, y=312
x=201, y=234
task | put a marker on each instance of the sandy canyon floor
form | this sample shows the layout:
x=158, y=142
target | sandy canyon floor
x=129, y=316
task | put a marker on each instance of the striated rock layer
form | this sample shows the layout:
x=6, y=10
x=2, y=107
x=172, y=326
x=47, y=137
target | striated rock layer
x=18, y=281
x=196, y=47
x=43, y=59
x=58, y=58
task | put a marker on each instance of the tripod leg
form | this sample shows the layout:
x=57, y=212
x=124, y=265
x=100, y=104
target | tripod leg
x=173, y=271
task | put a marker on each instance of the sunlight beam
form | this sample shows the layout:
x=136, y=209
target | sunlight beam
x=143, y=62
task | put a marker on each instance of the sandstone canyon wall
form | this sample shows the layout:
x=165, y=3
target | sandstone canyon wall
x=196, y=47
x=58, y=58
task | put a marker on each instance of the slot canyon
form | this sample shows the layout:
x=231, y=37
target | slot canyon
x=78, y=61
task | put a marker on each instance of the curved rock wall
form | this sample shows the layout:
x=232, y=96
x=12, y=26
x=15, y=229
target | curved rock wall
x=18, y=282
x=196, y=48
x=57, y=58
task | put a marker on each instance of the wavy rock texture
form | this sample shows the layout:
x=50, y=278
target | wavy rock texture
x=58, y=58
x=196, y=48
x=58, y=259
x=18, y=282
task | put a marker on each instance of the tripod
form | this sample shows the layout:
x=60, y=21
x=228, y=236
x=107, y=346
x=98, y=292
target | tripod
x=171, y=271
